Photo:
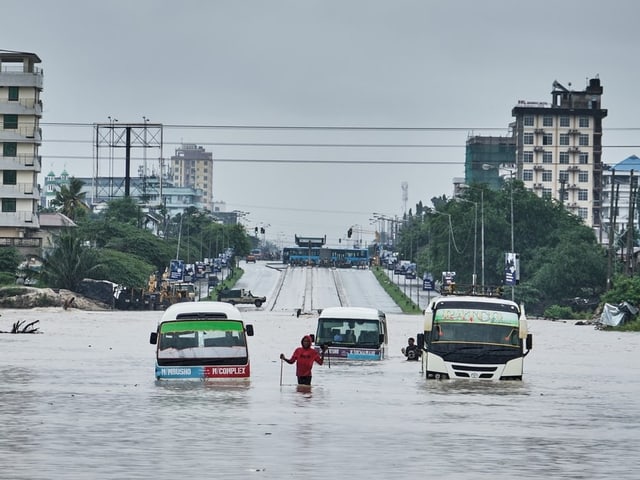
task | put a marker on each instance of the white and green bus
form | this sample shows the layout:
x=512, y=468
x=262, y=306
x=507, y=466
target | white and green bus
x=474, y=337
x=201, y=340
x=352, y=333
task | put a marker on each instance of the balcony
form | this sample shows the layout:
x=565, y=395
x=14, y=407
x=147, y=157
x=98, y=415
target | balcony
x=538, y=149
x=574, y=150
x=20, y=191
x=21, y=162
x=19, y=220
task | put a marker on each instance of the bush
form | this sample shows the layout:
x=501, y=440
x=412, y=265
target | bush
x=556, y=312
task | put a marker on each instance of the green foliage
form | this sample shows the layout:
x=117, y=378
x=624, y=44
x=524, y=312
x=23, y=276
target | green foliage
x=7, y=278
x=123, y=210
x=69, y=262
x=122, y=268
x=70, y=200
x=127, y=238
x=623, y=289
x=9, y=260
x=557, y=312
x=560, y=257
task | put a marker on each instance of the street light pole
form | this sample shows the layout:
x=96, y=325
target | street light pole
x=475, y=240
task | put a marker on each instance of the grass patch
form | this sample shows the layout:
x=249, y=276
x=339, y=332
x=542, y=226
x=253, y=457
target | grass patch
x=405, y=303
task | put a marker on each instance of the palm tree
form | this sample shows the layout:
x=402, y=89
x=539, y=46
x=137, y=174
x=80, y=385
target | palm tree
x=69, y=262
x=71, y=199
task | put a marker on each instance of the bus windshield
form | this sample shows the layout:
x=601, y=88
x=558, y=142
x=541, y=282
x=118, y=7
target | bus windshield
x=475, y=325
x=348, y=331
x=214, y=340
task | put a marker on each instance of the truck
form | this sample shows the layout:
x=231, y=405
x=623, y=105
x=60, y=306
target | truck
x=240, y=296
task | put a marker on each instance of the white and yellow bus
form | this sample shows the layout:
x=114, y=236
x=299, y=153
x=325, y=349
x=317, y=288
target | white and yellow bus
x=474, y=337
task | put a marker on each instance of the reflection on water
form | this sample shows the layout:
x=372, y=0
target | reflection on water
x=81, y=401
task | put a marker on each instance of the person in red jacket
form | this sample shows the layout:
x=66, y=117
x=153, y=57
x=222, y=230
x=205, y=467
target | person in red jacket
x=304, y=357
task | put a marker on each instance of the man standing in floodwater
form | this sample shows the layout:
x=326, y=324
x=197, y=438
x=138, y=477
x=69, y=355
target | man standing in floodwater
x=304, y=357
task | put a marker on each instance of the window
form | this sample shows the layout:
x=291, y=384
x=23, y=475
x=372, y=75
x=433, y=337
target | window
x=10, y=122
x=564, y=157
x=583, y=158
x=583, y=213
x=547, y=175
x=527, y=138
x=527, y=175
x=546, y=193
x=528, y=120
x=547, y=121
x=10, y=149
x=584, y=122
x=14, y=94
x=583, y=194
x=564, y=139
x=583, y=177
x=547, y=157
x=9, y=177
x=547, y=139
x=527, y=157
x=565, y=196
x=8, y=205
x=584, y=140
x=563, y=176
x=565, y=122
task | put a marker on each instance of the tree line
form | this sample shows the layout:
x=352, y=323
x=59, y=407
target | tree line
x=561, y=260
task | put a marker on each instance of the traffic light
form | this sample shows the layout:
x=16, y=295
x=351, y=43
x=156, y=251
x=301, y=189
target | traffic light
x=256, y=230
x=349, y=232
x=262, y=230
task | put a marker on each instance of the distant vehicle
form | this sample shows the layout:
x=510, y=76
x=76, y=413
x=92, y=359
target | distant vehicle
x=201, y=340
x=240, y=296
x=474, y=337
x=326, y=257
x=250, y=259
x=256, y=253
x=352, y=333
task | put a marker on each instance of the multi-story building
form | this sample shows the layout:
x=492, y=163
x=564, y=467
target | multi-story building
x=484, y=156
x=192, y=166
x=145, y=190
x=559, y=148
x=20, y=139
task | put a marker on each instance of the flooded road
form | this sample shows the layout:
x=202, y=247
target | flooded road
x=80, y=401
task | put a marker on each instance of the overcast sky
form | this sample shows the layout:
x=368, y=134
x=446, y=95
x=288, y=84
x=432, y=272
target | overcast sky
x=417, y=72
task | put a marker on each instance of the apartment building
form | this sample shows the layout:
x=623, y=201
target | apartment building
x=20, y=139
x=559, y=148
x=192, y=166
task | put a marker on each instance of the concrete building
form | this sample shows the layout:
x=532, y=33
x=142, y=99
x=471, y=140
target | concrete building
x=483, y=158
x=20, y=138
x=192, y=166
x=559, y=148
x=144, y=190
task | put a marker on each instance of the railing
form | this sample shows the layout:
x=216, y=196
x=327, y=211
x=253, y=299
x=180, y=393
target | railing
x=20, y=242
x=28, y=161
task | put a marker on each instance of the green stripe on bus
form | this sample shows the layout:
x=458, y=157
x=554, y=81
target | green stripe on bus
x=200, y=326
